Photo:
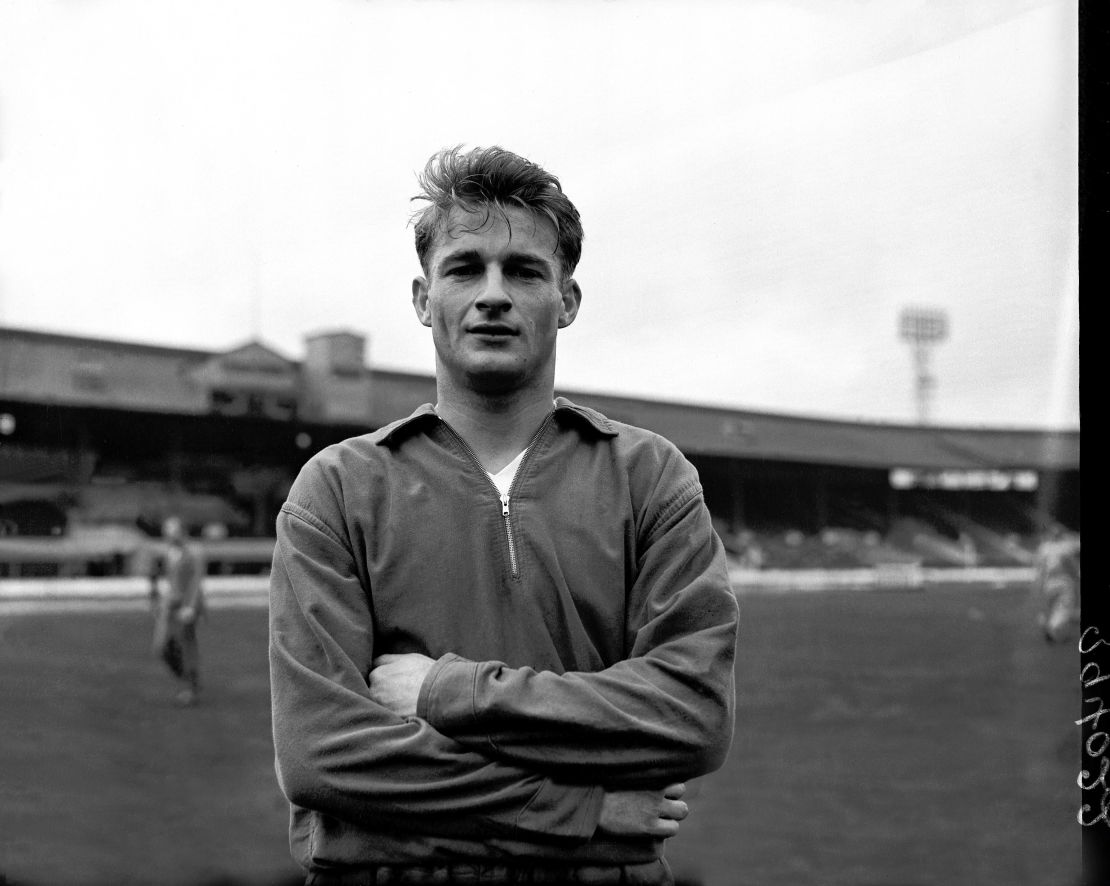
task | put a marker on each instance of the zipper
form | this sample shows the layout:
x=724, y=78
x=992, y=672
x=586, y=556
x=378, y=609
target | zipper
x=506, y=515
x=509, y=529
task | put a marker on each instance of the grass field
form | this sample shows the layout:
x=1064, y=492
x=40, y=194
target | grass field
x=900, y=739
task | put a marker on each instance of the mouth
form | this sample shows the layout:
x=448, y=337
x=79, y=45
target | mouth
x=492, y=330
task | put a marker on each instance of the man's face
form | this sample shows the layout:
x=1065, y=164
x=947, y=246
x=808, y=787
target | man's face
x=494, y=299
x=172, y=529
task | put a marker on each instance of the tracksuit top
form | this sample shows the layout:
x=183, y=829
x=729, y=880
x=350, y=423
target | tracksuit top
x=583, y=628
x=184, y=568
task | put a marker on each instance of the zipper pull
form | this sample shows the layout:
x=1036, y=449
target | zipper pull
x=505, y=505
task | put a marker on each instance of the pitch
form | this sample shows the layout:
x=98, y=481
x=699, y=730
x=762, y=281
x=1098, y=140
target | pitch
x=882, y=738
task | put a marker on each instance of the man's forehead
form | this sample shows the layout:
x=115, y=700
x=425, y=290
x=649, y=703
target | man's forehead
x=526, y=231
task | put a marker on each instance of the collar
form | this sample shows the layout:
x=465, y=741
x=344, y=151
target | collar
x=425, y=413
x=591, y=417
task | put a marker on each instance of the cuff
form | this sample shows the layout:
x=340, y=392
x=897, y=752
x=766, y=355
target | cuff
x=562, y=810
x=447, y=694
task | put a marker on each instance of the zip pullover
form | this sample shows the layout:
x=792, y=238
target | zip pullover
x=583, y=627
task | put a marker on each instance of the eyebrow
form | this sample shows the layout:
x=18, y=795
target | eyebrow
x=466, y=256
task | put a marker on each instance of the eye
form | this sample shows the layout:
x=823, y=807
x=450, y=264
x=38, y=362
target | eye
x=526, y=273
x=463, y=271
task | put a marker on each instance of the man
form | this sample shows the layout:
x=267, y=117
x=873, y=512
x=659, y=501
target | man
x=182, y=603
x=1058, y=577
x=502, y=634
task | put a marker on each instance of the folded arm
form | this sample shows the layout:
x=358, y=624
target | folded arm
x=340, y=752
x=663, y=714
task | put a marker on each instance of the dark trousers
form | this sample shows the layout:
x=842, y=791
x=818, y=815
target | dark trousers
x=175, y=642
x=654, y=873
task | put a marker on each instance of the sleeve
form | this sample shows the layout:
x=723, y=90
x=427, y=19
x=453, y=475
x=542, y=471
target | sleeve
x=194, y=595
x=340, y=753
x=663, y=714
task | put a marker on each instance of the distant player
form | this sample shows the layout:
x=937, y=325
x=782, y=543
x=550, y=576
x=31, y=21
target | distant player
x=181, y=604
x=1058, y=582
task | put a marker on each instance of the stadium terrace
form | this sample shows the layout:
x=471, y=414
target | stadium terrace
x=101, y=439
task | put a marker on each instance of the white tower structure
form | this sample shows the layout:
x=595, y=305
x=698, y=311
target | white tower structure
x=923, y=328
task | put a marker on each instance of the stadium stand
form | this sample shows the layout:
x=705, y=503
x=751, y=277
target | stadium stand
x=100, y=440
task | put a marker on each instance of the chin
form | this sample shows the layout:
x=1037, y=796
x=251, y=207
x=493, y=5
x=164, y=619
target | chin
x=493, y=373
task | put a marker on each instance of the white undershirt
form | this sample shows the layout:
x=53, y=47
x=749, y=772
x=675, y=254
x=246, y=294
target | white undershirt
x=503, y=479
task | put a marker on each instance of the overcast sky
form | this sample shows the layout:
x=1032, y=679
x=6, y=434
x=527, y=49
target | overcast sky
x=764, y=185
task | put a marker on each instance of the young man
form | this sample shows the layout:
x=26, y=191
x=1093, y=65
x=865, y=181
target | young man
x=502, y=634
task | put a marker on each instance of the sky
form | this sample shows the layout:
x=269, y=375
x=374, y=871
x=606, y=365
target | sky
x=765, y=186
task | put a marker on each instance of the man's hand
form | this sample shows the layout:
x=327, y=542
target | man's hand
x=644, y=813
x=396, y=679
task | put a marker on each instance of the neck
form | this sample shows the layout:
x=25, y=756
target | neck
x=496, y=426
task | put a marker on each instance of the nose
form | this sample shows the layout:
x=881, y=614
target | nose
x=494, y=298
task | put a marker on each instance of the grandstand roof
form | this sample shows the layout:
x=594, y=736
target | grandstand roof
x=49, y=368
x=756, y=435
x=67, y=370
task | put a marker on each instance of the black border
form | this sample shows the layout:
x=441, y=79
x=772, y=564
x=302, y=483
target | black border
x=1094, y=41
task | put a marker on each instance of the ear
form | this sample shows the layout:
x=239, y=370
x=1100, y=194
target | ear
x=420, y=300
x=571, y=294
